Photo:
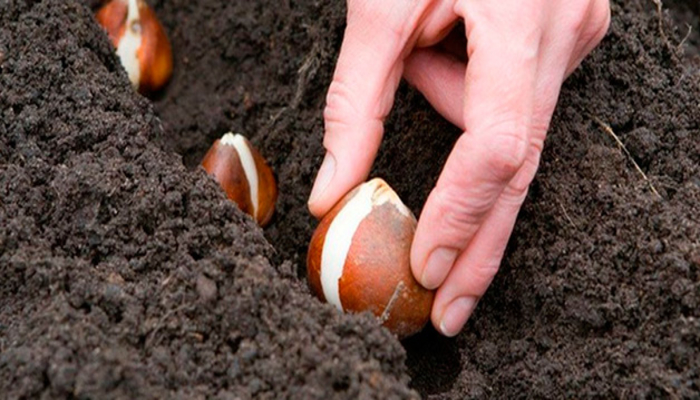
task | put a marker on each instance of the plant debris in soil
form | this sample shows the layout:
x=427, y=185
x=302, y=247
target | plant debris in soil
x=127, y=273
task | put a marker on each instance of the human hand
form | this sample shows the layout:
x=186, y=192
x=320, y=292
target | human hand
x=519, y=53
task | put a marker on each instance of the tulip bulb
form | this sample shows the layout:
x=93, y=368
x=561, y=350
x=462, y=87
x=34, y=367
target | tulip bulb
x=359, y=259
x=244, y=175
x=141, y=43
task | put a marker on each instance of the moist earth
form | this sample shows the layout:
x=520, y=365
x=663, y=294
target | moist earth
x=126, y=273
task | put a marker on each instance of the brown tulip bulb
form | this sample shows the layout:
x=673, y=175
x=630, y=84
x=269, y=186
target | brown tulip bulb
x=359, y=259
x=244, y=175
x=141, y=43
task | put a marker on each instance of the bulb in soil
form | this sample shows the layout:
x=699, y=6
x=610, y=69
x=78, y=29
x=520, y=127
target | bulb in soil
x=244, y=175
x=359, y=259
x=141, y=43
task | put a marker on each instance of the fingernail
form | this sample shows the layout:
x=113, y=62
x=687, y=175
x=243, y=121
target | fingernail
x=438, y=265
x=456, y=315
x=325, y=174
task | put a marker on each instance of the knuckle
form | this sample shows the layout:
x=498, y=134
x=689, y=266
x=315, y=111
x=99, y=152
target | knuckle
x=540, y=123
x=517, y=188
x=344, y=116
x=339, y=105
x=484, y=273
x=506, y=150
x=459, y=216
x=475, y=278
x=514, y=194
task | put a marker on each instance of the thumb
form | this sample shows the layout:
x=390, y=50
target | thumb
x=367, y=74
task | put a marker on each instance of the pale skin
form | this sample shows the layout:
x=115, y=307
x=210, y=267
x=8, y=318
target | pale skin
x=519, y=53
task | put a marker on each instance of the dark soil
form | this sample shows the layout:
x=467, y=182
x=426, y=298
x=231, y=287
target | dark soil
x=686, y=14
x=127, y=274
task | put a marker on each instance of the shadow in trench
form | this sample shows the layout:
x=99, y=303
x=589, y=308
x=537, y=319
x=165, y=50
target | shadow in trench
x=433, y=361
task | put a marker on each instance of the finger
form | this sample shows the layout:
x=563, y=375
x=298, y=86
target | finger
x=498, y=103
x=359, y=98
x=587, y=23
x=475, y=268
x=436, y=24
x=440, y=78
x=595, y=31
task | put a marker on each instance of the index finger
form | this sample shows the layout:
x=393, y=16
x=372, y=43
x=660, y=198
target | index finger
x=361, y=95
x=498, y=106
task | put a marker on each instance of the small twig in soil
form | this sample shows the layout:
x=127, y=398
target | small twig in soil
x=610, y=132
x=566, y=215
x=150, y=339
x=392, y=301
x=660, y=13
x=306, y=72
x=671, y=393
x=687, y=35
x=686, y=71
